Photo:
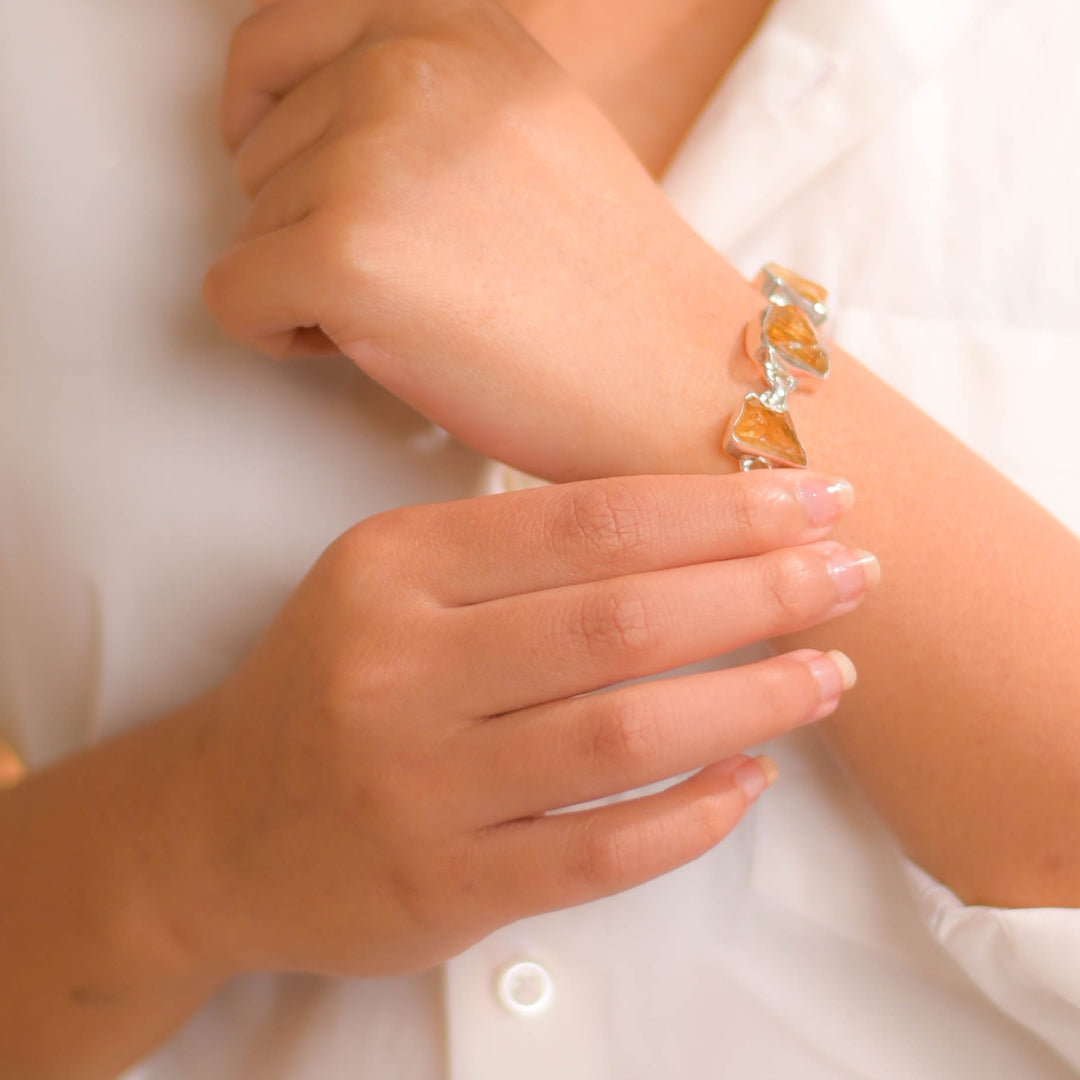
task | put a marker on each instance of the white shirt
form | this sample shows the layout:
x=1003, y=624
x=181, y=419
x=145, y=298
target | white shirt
x=163, y=491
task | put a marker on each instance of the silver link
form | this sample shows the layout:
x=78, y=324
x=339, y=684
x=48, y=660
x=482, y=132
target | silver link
x=781, y=383
x=746, y=463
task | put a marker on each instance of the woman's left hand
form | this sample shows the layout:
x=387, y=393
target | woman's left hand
x=435, y=199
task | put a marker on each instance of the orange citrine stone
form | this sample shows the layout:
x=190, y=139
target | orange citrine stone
x=761, y=432
x=810, y=291
x=788, y=330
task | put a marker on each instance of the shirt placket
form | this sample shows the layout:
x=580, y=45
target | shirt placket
x=525, y=1003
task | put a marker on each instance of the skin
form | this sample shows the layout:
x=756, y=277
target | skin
x=367, y=793
x=623, y=57
x=977, y=775
x=495, y=194
x=112, y=975
x=933, y=740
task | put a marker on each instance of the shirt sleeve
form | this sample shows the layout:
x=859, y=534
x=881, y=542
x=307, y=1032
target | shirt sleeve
x=1026, y=960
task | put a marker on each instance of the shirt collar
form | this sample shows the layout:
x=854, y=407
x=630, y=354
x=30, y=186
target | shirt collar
x=811, y=83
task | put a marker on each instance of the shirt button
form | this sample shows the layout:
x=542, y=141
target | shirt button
x=524, y=987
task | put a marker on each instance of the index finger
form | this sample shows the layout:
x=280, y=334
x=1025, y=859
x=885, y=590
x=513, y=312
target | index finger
x=495, y=546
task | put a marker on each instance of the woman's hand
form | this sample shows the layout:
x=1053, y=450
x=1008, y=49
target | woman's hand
x=373, y=782
x=369, y=792
x=434, y=198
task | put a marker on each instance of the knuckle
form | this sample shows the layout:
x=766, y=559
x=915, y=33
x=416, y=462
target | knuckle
x=707, y=823
x=760, y=511
x=376, y=664
x=602, y=520
x=620, y=730
x=615, y=620
x=374, y=543
x=413, y=64
x=603, y=857
x=342, y=241
x=796, y=587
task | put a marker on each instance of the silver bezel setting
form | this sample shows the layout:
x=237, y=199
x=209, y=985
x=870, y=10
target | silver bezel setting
x=777, y=291
x=752, y=457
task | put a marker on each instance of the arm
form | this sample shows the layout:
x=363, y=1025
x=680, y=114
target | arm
x=561, y=317
x=92, y=974
x=964, y=728
x=966, y=733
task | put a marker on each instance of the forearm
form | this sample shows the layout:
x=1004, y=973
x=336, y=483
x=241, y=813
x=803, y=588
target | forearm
x=93, y=968
x=965, y=733
x=963, y=729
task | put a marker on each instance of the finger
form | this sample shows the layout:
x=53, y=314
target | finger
x=335, y=171
x=279, y=46
x=298, y=189
x=496, y=546
x=264, y=294
x=589, y=747
x=557, y=861
x=510, y=654
x=294, y=124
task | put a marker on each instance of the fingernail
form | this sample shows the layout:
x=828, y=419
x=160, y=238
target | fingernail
x=833, y=670
x=755, y=775
x=824, y=500
x=841, y=676
x=854, y=571
x=845, y=666
x=834, y=673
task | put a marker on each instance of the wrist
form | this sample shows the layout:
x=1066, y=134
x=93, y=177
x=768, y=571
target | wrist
x=665, y=407
x=183, y=902
x=736, y=358
x=155, y=850
x=100, y=975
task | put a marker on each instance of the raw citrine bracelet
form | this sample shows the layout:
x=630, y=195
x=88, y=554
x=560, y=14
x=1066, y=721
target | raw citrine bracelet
x=785, y=343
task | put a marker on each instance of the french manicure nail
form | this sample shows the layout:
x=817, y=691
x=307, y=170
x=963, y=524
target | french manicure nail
x=854, y=571
x=824, y=500
x=841, y=676
x=755, y=775
x=833, y=671
x=845, y=667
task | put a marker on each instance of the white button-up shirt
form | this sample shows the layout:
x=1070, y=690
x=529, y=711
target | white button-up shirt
x=163, y=490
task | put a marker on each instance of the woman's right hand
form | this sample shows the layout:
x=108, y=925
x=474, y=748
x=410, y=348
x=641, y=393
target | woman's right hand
x=373, y=781
x=437, y=200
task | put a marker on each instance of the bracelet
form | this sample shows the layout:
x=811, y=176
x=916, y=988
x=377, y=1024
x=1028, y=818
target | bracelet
x=785, y=343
